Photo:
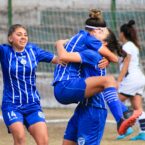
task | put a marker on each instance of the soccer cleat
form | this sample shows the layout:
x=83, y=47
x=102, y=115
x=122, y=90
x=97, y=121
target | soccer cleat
x=123, y=125
x=127, y=113
x=140, y=136
x=128, y=132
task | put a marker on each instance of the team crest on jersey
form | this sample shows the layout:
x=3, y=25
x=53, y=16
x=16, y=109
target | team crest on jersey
x=23, y=61
x=81, y=141
x=40, y=114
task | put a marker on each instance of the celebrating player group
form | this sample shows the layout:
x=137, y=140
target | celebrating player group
x=79, y=77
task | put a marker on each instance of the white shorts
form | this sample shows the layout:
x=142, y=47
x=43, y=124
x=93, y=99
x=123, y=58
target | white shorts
x=132, y=84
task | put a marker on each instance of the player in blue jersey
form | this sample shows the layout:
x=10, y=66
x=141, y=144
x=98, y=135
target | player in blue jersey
x=87, y=124
x=21, y=100
x=69, y=87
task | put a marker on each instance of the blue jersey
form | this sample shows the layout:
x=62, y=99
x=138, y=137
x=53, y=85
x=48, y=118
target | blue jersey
x=78, y=43
x=19, y=70
x=91, y=69
x=87, y=46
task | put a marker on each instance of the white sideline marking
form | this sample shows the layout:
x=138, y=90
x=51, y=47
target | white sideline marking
x=57, y=121
x=110, y=121
x=65, y=120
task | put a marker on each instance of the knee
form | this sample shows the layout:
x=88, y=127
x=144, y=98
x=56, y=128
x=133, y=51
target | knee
x=20, y=139
x=43, y=141
x=110, y=81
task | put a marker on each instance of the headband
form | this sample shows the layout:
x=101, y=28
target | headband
x=93, y=27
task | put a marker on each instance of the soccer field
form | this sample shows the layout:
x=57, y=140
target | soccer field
x=56, y=125
x=48, y=21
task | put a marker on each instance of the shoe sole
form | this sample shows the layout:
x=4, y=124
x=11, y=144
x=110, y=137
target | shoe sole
x=128, y=122
x=124, y=136
x=140, y=136
x=137, y=139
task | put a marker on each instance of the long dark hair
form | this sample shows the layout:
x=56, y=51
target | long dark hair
x=113, y=44
x=130, y=32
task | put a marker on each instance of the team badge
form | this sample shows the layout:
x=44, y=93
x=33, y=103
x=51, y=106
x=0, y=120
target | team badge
x=23, y=61
x=40, y=114
x=81, y=141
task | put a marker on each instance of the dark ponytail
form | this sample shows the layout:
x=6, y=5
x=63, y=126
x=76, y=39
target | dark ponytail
x=130, y=32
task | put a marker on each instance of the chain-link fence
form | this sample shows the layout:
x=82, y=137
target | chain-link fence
x=48, y=21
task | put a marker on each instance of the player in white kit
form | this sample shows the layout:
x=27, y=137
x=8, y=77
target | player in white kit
x=131, y=79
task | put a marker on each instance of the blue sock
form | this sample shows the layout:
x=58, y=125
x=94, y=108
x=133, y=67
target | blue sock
x=124, y=108
x=111, y=97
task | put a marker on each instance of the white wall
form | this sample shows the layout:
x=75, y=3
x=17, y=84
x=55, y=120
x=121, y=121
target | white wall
x=105, y=4
x=55, y=3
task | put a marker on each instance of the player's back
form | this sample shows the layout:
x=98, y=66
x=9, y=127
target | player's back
x=71, y=70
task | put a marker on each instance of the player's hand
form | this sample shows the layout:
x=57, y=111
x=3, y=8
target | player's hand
x=62, y=63
x=103, y=63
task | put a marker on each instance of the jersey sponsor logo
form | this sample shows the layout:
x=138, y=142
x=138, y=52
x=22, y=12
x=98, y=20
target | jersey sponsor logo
x=12, y=115
x=41, y=114
x=81, y=141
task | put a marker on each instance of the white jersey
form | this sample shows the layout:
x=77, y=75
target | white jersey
x=134, y=81
x=130, y=48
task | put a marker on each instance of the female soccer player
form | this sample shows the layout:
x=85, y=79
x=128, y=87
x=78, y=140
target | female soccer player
x=87, y=124
x=91, y=112
x=21, y=100
x=69, y=87
x=131, y=78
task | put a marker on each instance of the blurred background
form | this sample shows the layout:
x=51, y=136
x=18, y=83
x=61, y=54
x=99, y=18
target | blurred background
x=48, y=21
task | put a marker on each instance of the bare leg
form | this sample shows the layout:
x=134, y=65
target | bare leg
x=68, y=142
x=18, y=133
x=136, y=102
x=137, y=105
x=122, y=97
x=40, y=133
x=97, y=84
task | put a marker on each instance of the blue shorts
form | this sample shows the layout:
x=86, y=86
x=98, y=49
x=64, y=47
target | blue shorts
x=70, y=91
x=27, y=114
x=86, y=126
